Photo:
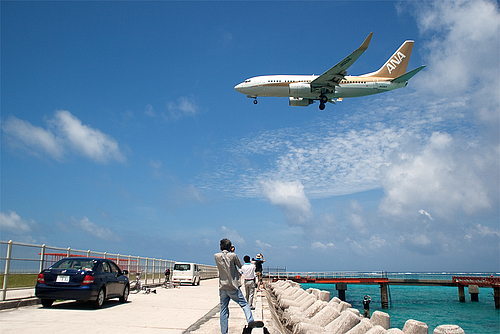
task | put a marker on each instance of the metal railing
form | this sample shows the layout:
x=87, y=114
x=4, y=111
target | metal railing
x=281, y=273
x=22, y=263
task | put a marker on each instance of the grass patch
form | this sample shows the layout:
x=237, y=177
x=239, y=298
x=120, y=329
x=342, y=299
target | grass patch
x=20, y=280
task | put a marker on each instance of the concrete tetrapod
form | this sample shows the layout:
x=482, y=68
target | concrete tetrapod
x=449, y=329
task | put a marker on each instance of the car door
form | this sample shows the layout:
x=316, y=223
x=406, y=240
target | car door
x=107, y=278
x=119, y=278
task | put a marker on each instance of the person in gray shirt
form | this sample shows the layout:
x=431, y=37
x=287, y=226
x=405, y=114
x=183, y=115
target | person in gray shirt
x=229, y=286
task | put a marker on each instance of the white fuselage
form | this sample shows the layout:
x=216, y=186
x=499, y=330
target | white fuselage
x=298, y=86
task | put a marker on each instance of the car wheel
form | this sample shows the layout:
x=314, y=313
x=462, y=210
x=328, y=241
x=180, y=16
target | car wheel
x=100, y=299
x=124, y=298
x=47, y=302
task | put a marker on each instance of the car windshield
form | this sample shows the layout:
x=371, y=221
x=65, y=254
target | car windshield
x=75, y=264
x=182, y=266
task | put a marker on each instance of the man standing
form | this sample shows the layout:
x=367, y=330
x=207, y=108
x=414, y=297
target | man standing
x=248, y=270
x=229, y=286
x=258, y=269
x=366, y=306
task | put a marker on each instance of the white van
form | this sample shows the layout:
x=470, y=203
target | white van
x=185, y=272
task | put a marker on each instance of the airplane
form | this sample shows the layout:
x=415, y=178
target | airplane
x=334, y=84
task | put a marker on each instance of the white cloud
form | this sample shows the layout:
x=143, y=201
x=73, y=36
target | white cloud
x=149, y=111
x=425, y=213
x=232, y=235
x=260, y=244
x=88, y=141
x=185, y=106
x=93, y=229
x=462, y=54
x=35, y=140
x=322, y=246
x=487, y=231
x=66, y=133
x=12, y=222
x=440, y=178
x=290, y=198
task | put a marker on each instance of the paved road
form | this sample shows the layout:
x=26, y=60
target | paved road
x=190, y=309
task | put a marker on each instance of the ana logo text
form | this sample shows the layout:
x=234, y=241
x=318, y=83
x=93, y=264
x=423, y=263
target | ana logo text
x=395, y=61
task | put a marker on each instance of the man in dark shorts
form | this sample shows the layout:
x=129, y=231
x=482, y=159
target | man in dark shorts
x=366, y=306
x=258, y=269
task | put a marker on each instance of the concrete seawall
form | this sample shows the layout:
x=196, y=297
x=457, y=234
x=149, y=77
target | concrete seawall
x=312, y=311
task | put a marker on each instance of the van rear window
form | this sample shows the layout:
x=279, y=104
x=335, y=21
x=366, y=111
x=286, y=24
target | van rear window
x=182, y=266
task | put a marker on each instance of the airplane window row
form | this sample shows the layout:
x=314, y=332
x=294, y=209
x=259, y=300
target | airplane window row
x=289, y=81
x=345, y=81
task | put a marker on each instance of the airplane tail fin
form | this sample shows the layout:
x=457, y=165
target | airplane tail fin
x=397, y=64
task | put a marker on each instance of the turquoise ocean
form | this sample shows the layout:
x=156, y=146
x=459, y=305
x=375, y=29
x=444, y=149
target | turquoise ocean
x=434, y=305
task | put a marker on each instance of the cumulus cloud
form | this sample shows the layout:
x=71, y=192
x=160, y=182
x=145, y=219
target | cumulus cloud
x=440, y=177
x=65, y=133
x=93, y=229
x=12, y=222
x=290, y=198
x=462, y=53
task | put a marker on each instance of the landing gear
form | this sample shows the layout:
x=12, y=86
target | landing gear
x=255, y=101
x=322, y=100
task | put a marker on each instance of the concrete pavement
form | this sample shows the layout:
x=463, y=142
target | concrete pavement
x=190, y=309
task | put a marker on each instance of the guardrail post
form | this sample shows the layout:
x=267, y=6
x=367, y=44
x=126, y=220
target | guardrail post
x=146, y=271
x=154, y=270
x=88, y=253
x=42, y=258
x=68, y=253
x=7, y=268
x=104, y=254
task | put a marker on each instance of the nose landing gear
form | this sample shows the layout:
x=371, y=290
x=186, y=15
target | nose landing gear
x=255, y=101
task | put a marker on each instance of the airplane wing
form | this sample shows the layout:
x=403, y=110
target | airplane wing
x=409, y=75
x=333, y=76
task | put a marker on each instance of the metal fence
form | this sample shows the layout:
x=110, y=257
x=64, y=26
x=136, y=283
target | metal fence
x=22, y=263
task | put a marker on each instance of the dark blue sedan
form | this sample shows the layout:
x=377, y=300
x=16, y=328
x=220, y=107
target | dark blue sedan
x=83, y=279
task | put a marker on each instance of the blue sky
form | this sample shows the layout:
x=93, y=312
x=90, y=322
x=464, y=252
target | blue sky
x=121, y=132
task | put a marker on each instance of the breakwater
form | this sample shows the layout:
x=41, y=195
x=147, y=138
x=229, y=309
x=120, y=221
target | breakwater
x=312, y=311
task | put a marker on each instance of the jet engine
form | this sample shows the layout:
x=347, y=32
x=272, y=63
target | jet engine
x=300, y=89
x=299, y=102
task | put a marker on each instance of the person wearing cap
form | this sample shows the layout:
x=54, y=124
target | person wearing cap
x=366, y=306
x=248, y=271
x=258, y=268
x=229, y=286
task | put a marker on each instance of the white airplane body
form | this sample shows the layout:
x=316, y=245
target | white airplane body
x=303, y=90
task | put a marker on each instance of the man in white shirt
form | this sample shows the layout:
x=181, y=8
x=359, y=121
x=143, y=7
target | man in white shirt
x=248, y=270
